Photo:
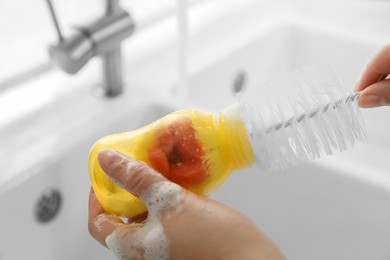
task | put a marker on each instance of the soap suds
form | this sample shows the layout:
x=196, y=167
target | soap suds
x=100, y=220
x=148, y=242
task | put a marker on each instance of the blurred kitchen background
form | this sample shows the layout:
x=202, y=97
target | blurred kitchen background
x=181, y=54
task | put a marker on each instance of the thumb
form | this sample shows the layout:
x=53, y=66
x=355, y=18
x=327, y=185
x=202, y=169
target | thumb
x=134, y=176
x=376, y=95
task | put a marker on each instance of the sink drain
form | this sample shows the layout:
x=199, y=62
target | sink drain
x=48, y=206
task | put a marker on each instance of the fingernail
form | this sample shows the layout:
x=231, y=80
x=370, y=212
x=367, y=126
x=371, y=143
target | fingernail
x=109, y=159
x=356, y=87
x=369, y=101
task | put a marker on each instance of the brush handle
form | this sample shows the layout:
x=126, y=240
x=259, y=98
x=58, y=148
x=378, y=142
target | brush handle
x=336, y=104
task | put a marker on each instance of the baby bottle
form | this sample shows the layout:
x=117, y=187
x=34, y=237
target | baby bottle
x=194, y=149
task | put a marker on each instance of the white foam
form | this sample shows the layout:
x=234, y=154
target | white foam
x=149, y=241
x=99, y=221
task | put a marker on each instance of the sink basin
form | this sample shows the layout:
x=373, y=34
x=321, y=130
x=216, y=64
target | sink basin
x=332, y=208
x=319, y=210
x=62, y=234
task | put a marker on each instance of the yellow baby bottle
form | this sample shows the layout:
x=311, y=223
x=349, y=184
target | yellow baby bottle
x=194, y=149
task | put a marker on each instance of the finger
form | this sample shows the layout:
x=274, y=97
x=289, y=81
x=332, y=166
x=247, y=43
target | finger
x=100, y=224
x=376, y=95
x=130, y=174
x=376, y=70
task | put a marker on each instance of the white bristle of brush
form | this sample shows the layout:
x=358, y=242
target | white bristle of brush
x=301, y=116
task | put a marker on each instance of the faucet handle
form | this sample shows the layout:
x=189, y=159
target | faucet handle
x=55, y=20
x=102, y=37
x=74, y=51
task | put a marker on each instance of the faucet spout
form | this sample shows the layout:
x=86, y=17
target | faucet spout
x=112, y=6
x=112, y=72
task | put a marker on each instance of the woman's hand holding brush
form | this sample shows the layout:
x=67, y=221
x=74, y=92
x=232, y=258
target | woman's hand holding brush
x=374, y=83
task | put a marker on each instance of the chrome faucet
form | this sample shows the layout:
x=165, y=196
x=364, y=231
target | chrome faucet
x=102, y=38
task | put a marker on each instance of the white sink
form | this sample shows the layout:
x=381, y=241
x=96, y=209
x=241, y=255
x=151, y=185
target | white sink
x=333, y=208
x=66, y=236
